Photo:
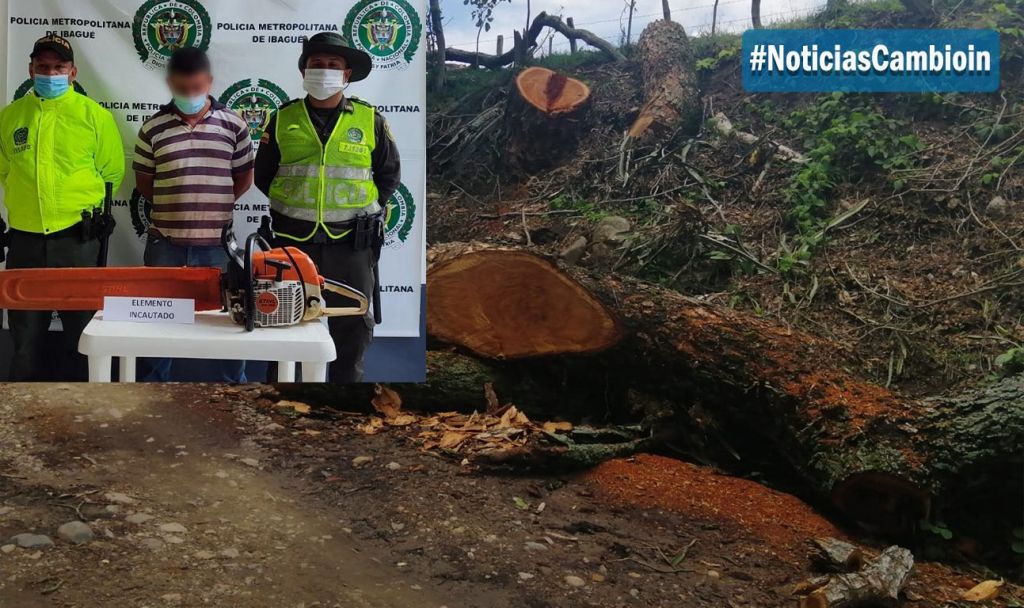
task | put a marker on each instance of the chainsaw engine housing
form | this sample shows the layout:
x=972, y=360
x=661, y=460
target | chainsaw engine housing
x=266, y=287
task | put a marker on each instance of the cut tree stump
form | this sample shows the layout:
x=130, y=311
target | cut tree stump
x=779, y=397
x=671, y=93
x=544, y=120
x=550, y=92
x=514, y=305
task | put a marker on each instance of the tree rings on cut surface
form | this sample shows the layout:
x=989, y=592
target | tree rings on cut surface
x=550, y=92
x=506, y=304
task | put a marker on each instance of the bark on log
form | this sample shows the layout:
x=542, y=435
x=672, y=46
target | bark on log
x=542, y=21
x=776, y=394
x=834, y=555
x=670, y=83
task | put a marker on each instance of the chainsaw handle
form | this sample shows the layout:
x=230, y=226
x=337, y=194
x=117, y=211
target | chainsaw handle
x=350, y=293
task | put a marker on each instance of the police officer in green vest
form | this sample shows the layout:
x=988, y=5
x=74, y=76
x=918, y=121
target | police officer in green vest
x=59, y=151
x=329, y=164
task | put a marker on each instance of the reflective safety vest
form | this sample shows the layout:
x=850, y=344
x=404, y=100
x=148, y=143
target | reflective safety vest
x=325, y=185
x=55, y=156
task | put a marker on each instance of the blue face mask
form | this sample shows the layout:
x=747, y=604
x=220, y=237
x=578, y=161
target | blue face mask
x=190, y=106
x=51, y=87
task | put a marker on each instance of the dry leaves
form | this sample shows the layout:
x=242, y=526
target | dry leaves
x=502, y=427
x=295, y=406
x=387, y=402
x=983, y=591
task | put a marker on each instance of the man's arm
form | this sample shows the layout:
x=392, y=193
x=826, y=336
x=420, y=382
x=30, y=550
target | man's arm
x=268, y=159
x=387, y=165
x=109, y=150
x=145, y=164
x=242, y=162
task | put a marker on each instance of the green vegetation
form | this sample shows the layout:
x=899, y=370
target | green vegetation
x=845, y=138
x=1011, y=362
x=587, y=209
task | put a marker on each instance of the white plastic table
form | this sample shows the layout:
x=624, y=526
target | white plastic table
x=213, y=336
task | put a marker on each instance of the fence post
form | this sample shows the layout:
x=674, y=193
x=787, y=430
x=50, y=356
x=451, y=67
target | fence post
x=501, y=45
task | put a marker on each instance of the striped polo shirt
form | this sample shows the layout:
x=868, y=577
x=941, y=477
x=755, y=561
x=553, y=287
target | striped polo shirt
x=193, y=169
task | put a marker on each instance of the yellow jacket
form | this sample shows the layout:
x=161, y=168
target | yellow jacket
x=55, y=156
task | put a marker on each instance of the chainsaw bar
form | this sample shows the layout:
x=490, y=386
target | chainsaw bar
x=85, y=288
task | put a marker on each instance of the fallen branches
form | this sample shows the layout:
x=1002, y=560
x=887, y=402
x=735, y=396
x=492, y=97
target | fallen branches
x=723, y=126
x=504, y=436
x=543, y=20
x=877, y=584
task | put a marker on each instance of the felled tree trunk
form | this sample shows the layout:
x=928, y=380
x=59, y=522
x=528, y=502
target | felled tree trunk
x=504, y=304
x=670, y=83
x=543, y=119
x=773, y=393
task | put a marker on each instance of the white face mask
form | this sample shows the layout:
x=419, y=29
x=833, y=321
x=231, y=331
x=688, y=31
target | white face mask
x=324, y=84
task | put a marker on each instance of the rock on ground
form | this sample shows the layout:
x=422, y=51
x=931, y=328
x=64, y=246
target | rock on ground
x=75, y=532
x=32, y=541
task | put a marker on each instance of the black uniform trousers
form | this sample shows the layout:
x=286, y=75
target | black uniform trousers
x=339, y=261
x=29, y=328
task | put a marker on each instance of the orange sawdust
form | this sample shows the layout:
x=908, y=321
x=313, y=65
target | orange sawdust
x=782, y=521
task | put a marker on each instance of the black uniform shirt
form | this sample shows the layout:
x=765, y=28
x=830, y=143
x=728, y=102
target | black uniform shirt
x=387, y=166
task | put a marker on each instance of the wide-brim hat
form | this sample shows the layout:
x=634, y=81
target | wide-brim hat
x=333, y=44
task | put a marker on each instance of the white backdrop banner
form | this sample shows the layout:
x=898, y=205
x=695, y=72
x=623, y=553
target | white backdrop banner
x=121, y=49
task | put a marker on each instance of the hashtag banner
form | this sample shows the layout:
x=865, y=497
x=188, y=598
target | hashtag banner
x=871, y=61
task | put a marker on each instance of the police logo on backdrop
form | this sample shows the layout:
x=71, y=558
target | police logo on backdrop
x=401, y=218
x=255, y=100
x=389, y=30
x=26, y=86
x=164, y=26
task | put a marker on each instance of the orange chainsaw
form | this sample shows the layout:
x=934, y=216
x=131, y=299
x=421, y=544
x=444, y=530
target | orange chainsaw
x=262, y=287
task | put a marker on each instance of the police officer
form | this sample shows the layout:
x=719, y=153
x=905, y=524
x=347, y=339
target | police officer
x=329, y=165
x=58, y=150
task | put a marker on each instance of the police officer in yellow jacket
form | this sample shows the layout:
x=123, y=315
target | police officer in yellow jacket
x=58, y=150
x=329, y=165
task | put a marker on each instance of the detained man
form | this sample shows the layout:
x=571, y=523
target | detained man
x=193, y=161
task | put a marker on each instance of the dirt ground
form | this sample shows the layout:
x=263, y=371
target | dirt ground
x=206, y=496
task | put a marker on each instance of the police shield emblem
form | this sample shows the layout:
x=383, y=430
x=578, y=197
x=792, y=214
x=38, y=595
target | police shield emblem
x=171, y=31
x=21, y=136
x=388, y=30
x=384, y=30
x=256, y=113
x=164, y=26
x=255, y=100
